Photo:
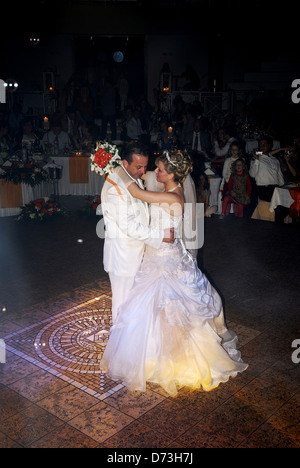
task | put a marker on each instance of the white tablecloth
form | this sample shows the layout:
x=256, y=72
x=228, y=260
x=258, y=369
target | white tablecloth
x=93, y=187
x=253, y=145
x=282, y=197
x=28, y=194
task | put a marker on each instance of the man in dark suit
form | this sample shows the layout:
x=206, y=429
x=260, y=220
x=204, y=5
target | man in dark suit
x=201, y=142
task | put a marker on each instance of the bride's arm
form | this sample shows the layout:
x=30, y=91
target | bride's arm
x=154, y=197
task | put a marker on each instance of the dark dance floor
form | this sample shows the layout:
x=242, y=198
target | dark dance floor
x=57, y=303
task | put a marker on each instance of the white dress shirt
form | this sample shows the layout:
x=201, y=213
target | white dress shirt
x=134, y=128
x=63, y=140
x=266, y=171
x=219, y=152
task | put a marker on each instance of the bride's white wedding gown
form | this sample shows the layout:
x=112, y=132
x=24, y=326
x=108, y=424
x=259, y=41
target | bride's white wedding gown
x=171, y=329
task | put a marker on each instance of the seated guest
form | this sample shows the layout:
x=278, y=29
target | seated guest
x=134, y=126
x=289, y=159
x=293, y=163
x=70, y=124
x=56, y=140
x=221, y=147
x=85, y=141
x=200, y=139
x=165, y=138
x=239, y=190
x=222, y=143
x=265, y=169
x=29, y=139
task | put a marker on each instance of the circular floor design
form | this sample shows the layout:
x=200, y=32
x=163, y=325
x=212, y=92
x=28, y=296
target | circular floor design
x=74, y=342
x=70, y=345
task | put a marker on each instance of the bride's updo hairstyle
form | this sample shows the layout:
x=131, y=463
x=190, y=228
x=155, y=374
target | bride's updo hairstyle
x=176, y=162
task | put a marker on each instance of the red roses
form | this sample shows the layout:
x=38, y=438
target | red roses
x=102, y=158
x=40, y=210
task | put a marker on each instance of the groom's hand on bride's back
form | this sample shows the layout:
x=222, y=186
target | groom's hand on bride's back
x=169, y=236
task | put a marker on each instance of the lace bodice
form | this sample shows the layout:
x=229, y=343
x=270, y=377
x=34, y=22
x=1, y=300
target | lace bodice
x=161, y=219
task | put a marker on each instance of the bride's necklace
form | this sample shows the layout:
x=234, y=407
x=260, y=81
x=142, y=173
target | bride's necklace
x=174, y=188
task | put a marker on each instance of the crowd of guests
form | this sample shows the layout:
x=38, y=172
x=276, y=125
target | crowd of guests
x=246, y=178
x=68, y=131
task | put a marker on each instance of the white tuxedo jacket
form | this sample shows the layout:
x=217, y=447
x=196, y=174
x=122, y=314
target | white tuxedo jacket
x=127, y=228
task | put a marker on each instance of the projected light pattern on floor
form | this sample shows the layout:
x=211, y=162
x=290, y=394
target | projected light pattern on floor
x=70, y=346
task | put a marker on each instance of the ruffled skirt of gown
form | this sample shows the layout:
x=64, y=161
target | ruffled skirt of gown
x=171, y=328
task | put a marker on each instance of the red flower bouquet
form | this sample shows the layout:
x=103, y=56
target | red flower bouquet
x=105, y=158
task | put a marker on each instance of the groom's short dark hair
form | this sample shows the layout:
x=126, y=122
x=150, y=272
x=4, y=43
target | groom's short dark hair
x=134, y=147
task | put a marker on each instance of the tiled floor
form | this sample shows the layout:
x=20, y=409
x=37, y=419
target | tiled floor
x=70, y=345
x=57, y=301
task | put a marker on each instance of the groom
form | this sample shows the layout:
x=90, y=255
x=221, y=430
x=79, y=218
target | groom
x=126, y=222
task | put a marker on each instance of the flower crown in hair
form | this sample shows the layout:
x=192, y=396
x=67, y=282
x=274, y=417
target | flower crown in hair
x=167, y=155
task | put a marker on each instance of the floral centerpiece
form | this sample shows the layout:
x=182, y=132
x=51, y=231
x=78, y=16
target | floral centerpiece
x=91, y=208
x=27, y=172
x=40, y=210
x=93, y=203
x=105, y=158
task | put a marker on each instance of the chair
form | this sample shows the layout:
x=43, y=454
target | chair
x=262, y=212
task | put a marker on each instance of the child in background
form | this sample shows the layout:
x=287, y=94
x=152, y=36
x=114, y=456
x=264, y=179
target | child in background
x=239, y=190
x=235, y=152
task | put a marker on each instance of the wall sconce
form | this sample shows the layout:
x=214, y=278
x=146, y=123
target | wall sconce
x=11, y=85
x=34, y=40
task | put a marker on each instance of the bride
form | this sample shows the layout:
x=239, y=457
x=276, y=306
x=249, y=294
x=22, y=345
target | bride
x=171, y=328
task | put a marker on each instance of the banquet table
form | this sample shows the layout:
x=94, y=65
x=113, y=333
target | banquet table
x=281, y=197
x=77, y=179
x=12, y=196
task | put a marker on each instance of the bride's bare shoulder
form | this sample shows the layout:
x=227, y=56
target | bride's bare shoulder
x=174, y=207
